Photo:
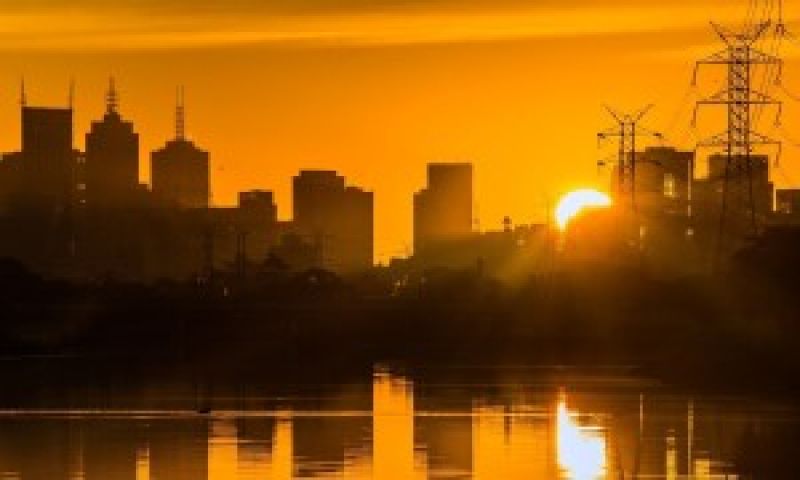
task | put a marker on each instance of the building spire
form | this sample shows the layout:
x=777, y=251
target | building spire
x=180, y=116
x=112, y=97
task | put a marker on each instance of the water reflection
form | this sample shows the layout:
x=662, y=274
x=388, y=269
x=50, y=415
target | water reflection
x=581, y=449
x=143, y=463
x=393, y=429
x=281, y=461
x=509, y=445
x=503, y=432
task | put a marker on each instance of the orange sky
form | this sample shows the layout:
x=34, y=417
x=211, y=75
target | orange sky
x=378, y=88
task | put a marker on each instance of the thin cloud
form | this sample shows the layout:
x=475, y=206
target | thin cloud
x=77, y=29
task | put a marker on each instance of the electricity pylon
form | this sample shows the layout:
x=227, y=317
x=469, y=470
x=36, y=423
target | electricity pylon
x=738, y=211
x=626, y=130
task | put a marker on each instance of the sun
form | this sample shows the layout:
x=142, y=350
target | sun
x=573, y=203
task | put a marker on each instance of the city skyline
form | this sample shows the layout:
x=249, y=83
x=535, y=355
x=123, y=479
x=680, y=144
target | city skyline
x=521, y=99
x=399, y=239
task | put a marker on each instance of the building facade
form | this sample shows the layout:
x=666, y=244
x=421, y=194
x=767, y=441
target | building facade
x=48, y=162
x=112, y=160
x=443, y=209
x=336, y=218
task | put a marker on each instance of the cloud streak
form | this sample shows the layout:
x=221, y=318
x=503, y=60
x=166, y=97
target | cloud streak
x=130, y=27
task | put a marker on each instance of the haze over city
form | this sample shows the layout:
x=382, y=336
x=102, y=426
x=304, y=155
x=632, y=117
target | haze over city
x=366, y=88
x=399, y=239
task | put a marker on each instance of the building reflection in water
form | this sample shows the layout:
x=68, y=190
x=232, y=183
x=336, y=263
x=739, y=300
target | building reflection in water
x=393, y=452
x=223, y=449
x=672, y=457
x=511, y=444
x=143, y=463
x=77, y=469
x=281, y=460
x=521, y=434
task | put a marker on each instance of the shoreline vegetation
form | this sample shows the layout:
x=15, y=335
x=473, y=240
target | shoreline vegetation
x=732, y=333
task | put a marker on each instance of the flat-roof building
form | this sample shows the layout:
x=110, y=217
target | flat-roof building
x=337, y=218
x=443, y=209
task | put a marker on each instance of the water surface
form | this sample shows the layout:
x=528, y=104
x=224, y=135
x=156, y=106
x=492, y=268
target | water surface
x=391, y=427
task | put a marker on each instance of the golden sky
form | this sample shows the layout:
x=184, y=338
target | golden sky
x=378, y=88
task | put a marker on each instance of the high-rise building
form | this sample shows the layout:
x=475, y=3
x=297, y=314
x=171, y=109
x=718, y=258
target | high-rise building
x=112, y=159
x=443, y=210
x=41, y=188
x=257, y=223
x=48, y=160
x=10, y=177
x=663, y=181
x=259, y=204
x=180, y=170
x=708, y=192
x=337, y=218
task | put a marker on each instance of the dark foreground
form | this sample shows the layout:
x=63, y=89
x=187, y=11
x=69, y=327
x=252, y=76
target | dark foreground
x=633, y=372
x=732, y=333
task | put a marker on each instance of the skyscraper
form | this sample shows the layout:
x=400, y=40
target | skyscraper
x=180, y=170
x=48, y=160
x=112, y=159
x=257, y=223
x=709, y=192
x=41, y=189
x=336, y=217
x=663, y=181
x=443, y=210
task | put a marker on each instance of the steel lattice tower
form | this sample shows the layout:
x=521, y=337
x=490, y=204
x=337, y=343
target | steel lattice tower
x=739, y=214
x=626, y=130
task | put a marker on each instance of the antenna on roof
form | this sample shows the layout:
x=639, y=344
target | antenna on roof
x=180, y=116
x=112, y=98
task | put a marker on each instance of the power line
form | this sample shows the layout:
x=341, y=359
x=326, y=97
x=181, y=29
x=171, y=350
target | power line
x=737, y=142
x=626, y=130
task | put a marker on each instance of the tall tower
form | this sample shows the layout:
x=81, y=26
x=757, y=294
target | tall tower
x=112, y=158
x=626, y=130
x=180, y=170
x=740, y=216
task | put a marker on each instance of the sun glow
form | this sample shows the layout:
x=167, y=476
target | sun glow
x=573, y=203
x=581, y=450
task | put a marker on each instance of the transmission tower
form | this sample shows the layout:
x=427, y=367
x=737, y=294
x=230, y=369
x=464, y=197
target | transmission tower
x=626, y=130
x=739, y=217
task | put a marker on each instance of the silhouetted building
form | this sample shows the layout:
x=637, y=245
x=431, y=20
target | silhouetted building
x=257, y=223
x=663, y=181
x=296, y=253
x=112, y=159
x=508, y=254
x=48, y=172
x=10, y=178
x=40, y=187
x=708, y=192
x=443, y=210
x=337, y=218
x=180, y=171
x=260, y=204
x=787, y=201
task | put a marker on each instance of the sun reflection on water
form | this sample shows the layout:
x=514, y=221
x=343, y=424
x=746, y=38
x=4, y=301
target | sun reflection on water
x=581, y=450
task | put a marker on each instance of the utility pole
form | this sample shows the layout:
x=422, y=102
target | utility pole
x=738, y=210
x=626, y=130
